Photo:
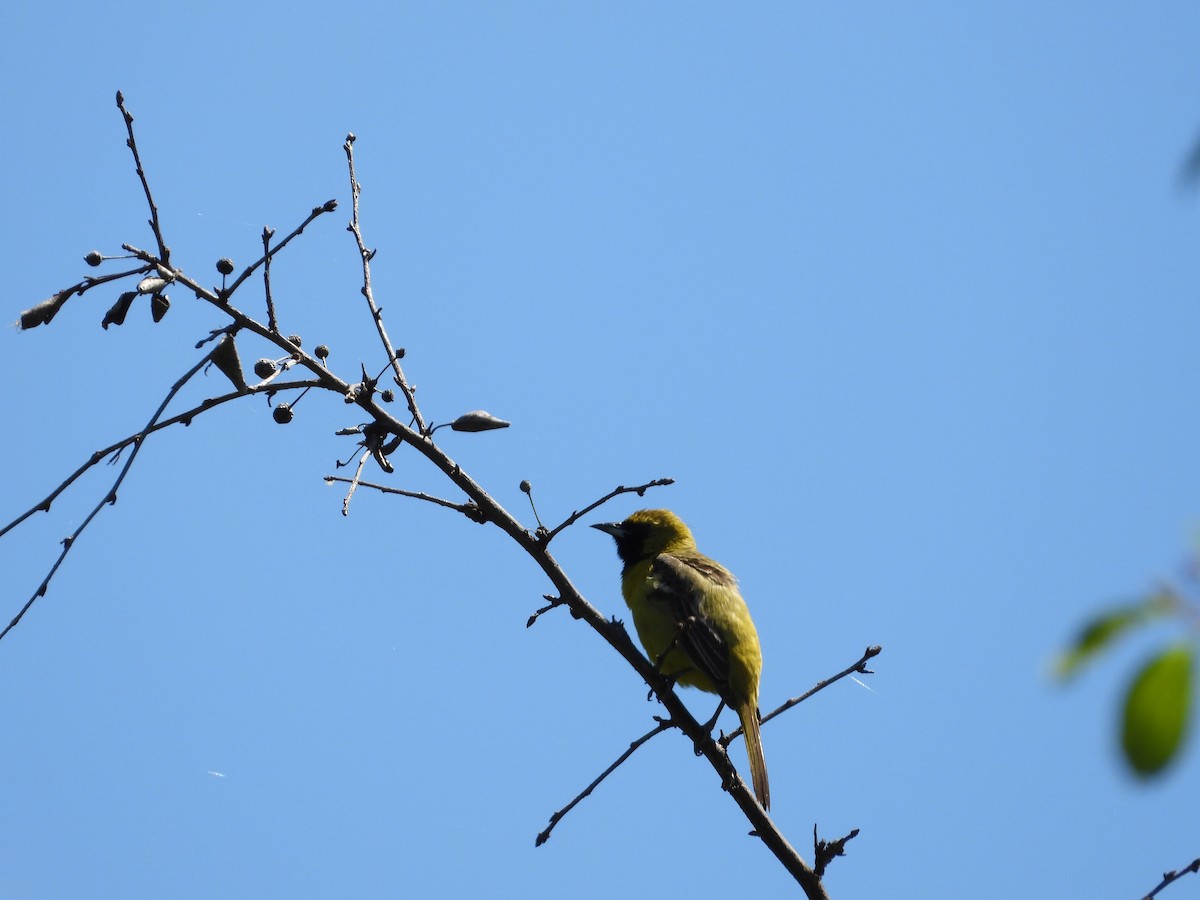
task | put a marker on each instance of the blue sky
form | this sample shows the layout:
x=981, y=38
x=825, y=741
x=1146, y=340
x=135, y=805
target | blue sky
x=904, y=299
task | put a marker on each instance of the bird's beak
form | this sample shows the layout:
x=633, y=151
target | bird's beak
x=613, y=528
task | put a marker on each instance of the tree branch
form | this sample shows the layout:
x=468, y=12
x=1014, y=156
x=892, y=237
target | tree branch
x=1173, y=876
x=574, y=517
x=393, y=355
x=109, y=498
x=164, y=252
x=663, y=725
x=480, y=506
x=184, y=417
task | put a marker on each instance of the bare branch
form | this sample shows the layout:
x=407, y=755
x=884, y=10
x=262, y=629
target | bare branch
x=393, y=355
x=354, y=482
x=470, y=510
x=1172, y=876
x=272, y=321
x=385, y=436
x=184, y=417
x=574, y=517
x=662, y=726
x=327, y=207
x=860, y=667
x=164, y=252
x=109, y=498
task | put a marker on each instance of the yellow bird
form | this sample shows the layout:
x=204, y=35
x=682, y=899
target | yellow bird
x=692, y=620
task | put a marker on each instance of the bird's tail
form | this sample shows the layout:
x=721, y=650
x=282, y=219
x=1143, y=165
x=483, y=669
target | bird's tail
x=758, y=763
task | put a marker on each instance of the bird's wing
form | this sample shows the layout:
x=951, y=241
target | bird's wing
x=683, y=582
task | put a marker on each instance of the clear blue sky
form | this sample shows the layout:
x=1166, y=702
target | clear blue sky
x=904, y=297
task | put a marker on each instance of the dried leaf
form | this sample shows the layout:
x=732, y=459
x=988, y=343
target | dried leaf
x=117, y=312
x=225, y=358
x=44, y=311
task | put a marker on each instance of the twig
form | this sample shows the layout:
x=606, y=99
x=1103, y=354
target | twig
x=362, y=461
x=825, y=852
x=376, y=313
x=470, y=510
x=109, y=498
x=663, y=725
x=483, y=508
x=327, y=207
x=860, y=667
x=184, y=417
x=1172, y=876
x=164, y=252
x=272, y=322
x=574, y=517
x=552, y=602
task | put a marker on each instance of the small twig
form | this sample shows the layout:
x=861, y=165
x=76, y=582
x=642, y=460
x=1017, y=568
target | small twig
x=164, y=252
x=327, y=207
x=109, y=498
x=574, y=517
x=860, y=667
x=527, y=490
x=470, y=510
x=663, y=725
x=272, y=322
x=824, y=852
x=1172, y=876
x=183, y=417
x=376, y=313
x=354, y=482
x=552, y=602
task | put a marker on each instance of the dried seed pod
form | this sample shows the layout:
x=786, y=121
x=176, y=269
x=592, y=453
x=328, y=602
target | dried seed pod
x=151, y=285
x=478, y=420
x=44, y=311
x=225, y=358
x=117, y=312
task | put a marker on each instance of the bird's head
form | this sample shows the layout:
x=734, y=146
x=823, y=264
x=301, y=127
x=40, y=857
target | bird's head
x=647, y=533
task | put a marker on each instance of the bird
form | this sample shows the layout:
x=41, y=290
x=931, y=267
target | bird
x=692, y=621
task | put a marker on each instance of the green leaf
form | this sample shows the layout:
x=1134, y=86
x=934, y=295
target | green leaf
x=1102, y=630
x=1156, y=710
